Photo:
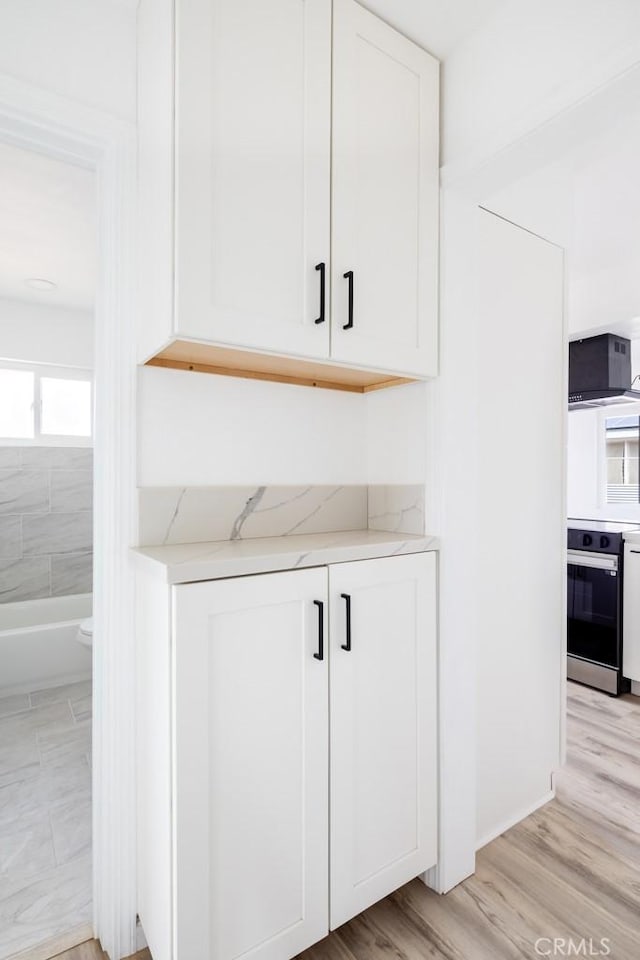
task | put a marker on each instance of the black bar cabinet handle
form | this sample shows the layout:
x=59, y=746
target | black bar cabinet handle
x=320, y=654
x=349, y=276
x=347, y=599
x=322, y=267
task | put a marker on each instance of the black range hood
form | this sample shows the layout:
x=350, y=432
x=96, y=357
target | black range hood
x=600, y=372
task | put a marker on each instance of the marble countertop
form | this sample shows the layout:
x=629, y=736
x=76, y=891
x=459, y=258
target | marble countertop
x=189, y=562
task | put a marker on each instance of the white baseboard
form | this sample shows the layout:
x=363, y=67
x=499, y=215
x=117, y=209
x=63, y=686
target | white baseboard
x=512, y=821
x=141, y=940
x=440, y=882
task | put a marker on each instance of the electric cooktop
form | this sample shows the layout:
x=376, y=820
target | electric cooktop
x=602, y=526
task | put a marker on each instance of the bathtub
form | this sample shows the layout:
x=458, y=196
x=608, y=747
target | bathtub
x=38, y=646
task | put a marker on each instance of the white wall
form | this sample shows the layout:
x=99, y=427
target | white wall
x=542, y=202
x=396, y=440
x=37, y=333
x=520, y=522
x=586, y=468
x=529, y=62
x=585, y=465
x=588, y=201
x=199, y=429
x=80, y=49
x=604, y=294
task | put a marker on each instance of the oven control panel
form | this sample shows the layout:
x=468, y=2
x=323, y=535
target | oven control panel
x=594, y=541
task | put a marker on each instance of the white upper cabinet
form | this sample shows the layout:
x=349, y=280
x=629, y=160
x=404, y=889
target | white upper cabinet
x=252, y=179
x=383, y=728
x=385, y=196
x=288, y=158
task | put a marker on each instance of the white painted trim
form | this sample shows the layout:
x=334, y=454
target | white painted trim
x=562, y=733
x=114, y=534
x=141, y=940
x=512, y=821
x=450, y=508
x=37, y=119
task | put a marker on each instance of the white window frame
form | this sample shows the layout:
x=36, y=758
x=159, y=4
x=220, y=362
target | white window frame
x=40, y=370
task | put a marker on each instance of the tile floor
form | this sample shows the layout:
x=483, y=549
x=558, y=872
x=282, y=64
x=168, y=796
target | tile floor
x=45, y=815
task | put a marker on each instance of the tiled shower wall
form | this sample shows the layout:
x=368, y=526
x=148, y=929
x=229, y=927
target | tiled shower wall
x=46, y=536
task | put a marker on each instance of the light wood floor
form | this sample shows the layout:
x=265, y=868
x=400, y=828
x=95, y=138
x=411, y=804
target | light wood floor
x=91, y=951
x=571, y=870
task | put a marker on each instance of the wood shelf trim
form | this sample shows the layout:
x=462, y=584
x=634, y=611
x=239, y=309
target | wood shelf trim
x=392, y=382
x=229, y=362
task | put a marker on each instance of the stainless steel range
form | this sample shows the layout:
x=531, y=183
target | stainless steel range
x=594, y=599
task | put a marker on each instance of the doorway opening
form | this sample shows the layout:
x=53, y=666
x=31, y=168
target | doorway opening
x=57, y=129
x=48, y=238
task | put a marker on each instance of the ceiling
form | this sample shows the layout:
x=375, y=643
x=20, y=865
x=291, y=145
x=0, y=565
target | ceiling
x=437, y=25
x=588, y=202
x=47, y=228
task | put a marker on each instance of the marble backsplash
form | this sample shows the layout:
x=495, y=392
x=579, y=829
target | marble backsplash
x=46, y=536
x=397, y=508
x=170, y=515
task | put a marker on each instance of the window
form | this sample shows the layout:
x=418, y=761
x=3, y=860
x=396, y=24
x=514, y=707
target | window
x=622, y=453
x=43, y=404
x=16, y=403
x=65, y=407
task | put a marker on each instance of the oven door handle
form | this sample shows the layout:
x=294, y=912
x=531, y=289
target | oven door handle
x=582, y=558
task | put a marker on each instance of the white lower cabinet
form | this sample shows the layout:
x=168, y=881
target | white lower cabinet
x=631, y=618
x=258, y=728
x=251, y=778
x=383, y=728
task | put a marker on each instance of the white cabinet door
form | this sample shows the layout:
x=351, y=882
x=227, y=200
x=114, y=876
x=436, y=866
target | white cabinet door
x=383, y=728
x=253, y=116
x=631, y=613
x=251, y=778
x=385, y=196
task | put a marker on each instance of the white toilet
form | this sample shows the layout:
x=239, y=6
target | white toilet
x=85, y=632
